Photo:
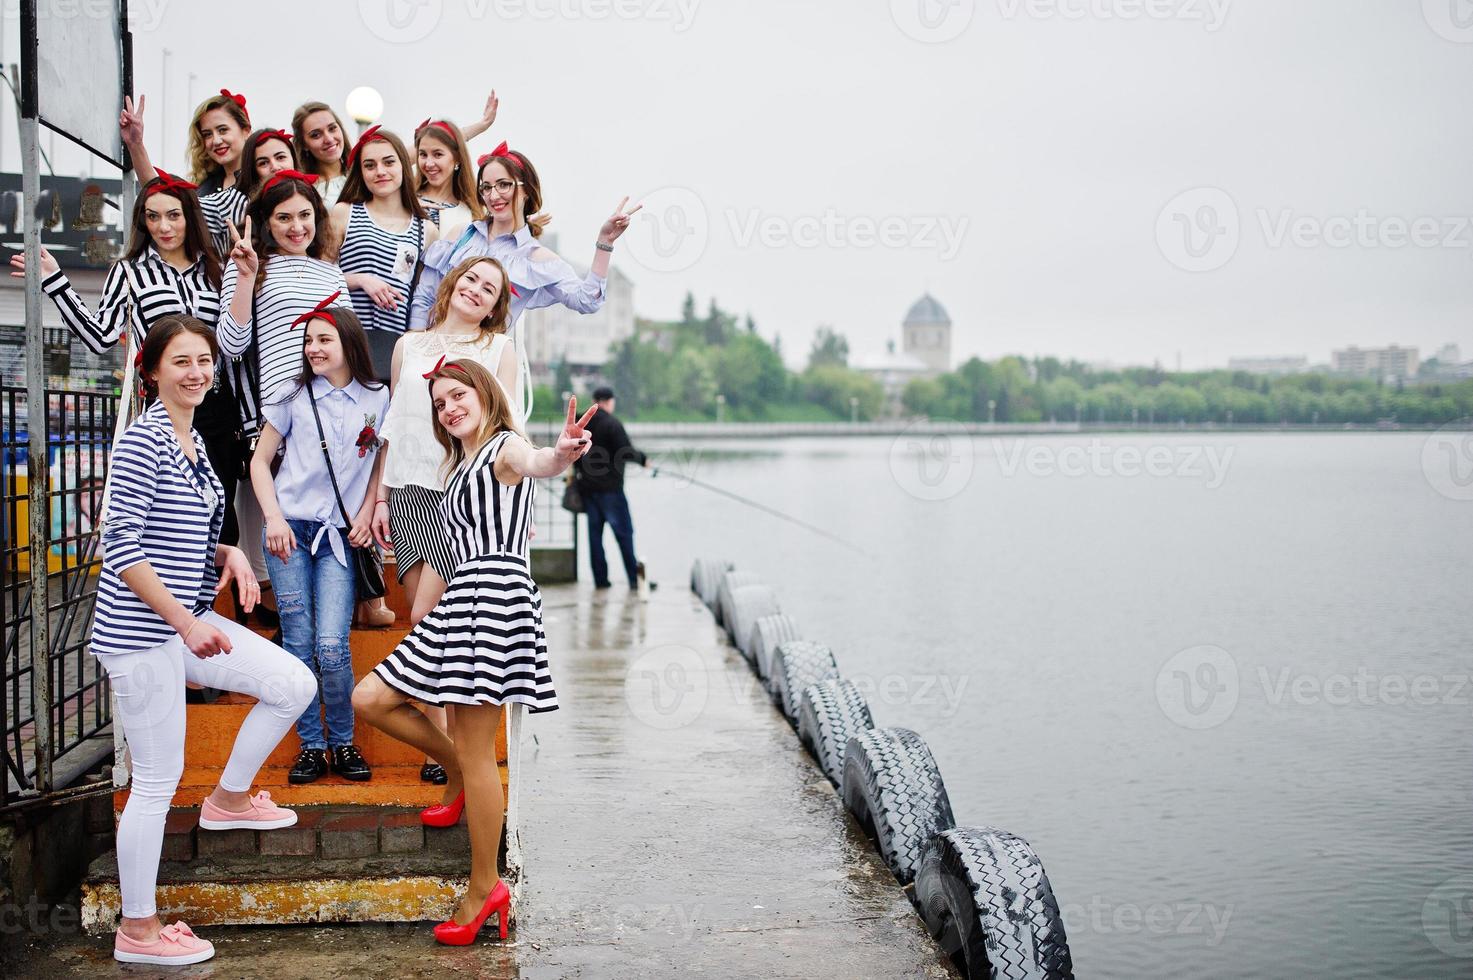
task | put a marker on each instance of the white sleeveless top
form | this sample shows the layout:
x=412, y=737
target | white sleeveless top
x=415, y=457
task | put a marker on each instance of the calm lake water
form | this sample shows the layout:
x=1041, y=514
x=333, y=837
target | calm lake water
x=1219, y=681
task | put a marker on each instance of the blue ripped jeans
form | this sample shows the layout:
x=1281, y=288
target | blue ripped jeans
x=314, y=595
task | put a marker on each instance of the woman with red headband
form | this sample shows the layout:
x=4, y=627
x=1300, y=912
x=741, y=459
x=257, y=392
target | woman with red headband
x=383, y=231
x=267, y=153
x=280, y=265
x=168, y=270
x=217, y=135
x=323, y=146
x=511, y=191
x=447, y=183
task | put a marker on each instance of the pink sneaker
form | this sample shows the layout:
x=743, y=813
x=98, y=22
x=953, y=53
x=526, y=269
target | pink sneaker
x=176, y=946
x=263, y=815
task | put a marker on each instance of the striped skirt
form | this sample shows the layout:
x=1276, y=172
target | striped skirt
x=482, y=643
x=417, y=529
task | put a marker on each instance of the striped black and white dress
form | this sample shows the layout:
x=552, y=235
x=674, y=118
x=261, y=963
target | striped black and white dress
x=483, y=642
x=294, y=284
x=223, y=210
x=368, y=248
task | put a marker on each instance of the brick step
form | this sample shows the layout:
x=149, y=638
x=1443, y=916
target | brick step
x=390, y=786
x=338, y=864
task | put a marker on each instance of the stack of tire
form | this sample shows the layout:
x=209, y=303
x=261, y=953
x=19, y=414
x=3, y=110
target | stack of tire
x=982, y=892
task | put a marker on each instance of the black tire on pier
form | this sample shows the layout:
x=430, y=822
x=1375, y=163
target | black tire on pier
x=829, y=714
x=797, y=664
x=731, y=580
x=893, y=788
x=767, y=633
x=748, y=604
x=987, y=900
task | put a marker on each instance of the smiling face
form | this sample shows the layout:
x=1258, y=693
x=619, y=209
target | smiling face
x=163, y=215
x=272, y=155
x=293, y=225
x=476, y=290
x=381, y=170
x=457, y=407
x=223, y=137
x=185, y=372
x=324, y=349
x=502, y=195
x=323, y=136
x=436, y=164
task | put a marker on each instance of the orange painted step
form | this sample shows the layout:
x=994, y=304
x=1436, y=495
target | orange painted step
x=390, y=786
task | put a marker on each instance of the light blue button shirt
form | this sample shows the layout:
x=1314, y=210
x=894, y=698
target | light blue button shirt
x=303, y=488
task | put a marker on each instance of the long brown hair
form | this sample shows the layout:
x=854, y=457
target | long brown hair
x=355, y=190
x=308, y=161
x=163, y=331
x=463, y=181
x=496, y=320
x=197, y=243
x=496, y=413
x=201, y=167
x=322, y=246
x=518, y=167
x=355, y=351
x=248, y=181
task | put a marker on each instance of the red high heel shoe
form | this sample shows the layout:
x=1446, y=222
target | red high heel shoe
x=443, y=814
x=452, y=933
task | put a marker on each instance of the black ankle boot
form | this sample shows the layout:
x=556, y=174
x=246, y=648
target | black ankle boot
x=310, y=766
x=348, y=762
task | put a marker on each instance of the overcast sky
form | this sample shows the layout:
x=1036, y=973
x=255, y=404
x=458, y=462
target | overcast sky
x=1112, y=180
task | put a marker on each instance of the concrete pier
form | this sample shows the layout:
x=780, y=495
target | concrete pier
x=671, y=825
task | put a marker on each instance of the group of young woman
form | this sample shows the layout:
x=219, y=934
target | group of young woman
x=249, y=294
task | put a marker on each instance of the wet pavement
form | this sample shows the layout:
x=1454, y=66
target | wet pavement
x=671, y=825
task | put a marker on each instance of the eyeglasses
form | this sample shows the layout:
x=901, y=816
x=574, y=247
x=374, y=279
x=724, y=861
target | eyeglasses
x=502, y=187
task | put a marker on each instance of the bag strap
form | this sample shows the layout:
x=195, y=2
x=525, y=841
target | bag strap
x=419, y=266
x=327, y=456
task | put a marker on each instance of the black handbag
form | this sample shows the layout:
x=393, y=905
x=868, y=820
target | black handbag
x=572, y=497
x=248, y=374
x=368, y=564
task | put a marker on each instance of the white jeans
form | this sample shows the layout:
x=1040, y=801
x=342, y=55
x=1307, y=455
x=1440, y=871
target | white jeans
x=149, y=686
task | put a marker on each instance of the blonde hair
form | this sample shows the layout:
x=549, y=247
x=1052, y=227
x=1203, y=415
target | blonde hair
x=496, y=411
x=200, y=164
x=493, y=322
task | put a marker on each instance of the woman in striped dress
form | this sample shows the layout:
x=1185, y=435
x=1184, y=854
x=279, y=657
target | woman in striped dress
x=168, y=269
x=279, y=267
x=468, y=321
x=323, y=146
x=483, y=645
x=383, y=231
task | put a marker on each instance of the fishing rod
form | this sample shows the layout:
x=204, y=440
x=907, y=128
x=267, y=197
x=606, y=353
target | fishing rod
x=655, y=471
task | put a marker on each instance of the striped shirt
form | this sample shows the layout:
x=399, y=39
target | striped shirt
x=222, y=210
x=160, y=513
x=147, y=287
x=294, y=284
x=484, y=516
x=369, y=248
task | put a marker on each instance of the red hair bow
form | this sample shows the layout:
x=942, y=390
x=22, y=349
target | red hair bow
x=169, y=182
x=237, y=98
x=438, y=365
x=318, y=312
x=435, y=122
x=281, y=175
x=368, y=136
x=275, y=134
x=500, y=151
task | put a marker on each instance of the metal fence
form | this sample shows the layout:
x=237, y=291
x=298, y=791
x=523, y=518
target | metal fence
x=55, y=715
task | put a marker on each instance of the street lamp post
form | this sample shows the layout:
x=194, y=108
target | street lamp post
x=720, y=407
x=991, y=411
x=853, y=410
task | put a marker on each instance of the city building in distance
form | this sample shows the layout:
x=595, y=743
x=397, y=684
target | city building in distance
x=1386, y=363
x=925, y=349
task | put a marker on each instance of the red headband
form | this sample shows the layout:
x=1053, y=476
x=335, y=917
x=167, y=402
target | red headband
x=281, y=175
x=435, y=122
x=169, y=182
x=500, y=151
x=318, y=312
x=237, y=99
x=275, y=134
x=438, y=365
x=368, y=136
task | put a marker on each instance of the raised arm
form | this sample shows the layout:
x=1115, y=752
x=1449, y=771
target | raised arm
x=518, y=460
x=237, y=286
x=488, y=116
x=98, y=332
x=130, y=123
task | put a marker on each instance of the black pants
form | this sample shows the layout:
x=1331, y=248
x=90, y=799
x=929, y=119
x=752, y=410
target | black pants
x=218, y=420
x=609, y=507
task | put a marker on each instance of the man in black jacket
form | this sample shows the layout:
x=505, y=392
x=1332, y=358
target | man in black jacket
x=600, y=476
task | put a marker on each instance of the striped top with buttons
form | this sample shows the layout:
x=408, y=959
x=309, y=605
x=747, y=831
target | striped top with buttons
x=293, y=285
x=392, y=256
x=222, y=210
x=160, y=512
x=148, y=287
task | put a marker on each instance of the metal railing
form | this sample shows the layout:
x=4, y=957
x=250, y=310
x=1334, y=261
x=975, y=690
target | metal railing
x=56, y=712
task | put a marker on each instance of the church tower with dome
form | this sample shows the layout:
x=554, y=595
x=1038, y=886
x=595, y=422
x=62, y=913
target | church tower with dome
x=926, y=334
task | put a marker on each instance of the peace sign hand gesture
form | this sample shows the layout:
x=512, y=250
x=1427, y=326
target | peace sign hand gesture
x=618, y=222
x=574, y=442
x=242, y=253
x=130, y=122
